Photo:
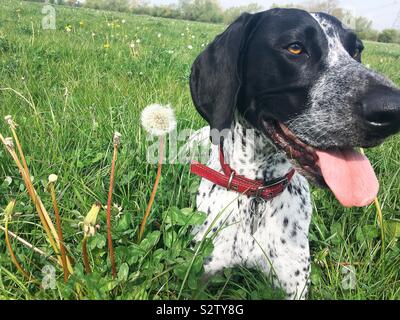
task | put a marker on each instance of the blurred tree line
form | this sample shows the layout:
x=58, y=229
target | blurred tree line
x=211, y=11
x=362, y=25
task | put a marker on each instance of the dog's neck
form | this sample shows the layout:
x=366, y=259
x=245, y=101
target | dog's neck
x=251, y=154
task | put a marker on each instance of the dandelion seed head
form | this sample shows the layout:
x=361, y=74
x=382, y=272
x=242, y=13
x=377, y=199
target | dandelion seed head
x=158, y=120
x=9, y=142
x=117, y=138
x=53, y=178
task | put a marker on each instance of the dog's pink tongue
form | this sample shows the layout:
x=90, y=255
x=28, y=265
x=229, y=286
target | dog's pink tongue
x=350, y=176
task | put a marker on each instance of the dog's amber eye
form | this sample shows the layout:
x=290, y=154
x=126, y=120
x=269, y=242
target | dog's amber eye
x=296, y=49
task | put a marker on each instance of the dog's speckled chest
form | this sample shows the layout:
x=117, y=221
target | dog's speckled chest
x=252, y=232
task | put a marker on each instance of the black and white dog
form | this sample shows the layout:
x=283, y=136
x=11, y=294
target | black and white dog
x=296, y=81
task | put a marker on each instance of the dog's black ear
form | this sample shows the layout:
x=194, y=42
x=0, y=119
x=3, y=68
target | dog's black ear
x=215, y=80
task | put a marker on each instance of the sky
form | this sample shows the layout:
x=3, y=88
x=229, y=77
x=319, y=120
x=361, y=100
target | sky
x=383, y=13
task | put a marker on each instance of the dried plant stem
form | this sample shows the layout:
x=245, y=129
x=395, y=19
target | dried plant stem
x=85, y=256
x=47, y=224
x=153, y=194
x=29, y=245
x=31, y=194
x=19, y=148
x=59, y=231
x=109, y=201
x=14, y=259
x=25, y=166
x=44, y=214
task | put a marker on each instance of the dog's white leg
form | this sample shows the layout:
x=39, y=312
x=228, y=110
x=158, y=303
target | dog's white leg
x=282, y=248
x=288, y=265
x=221, y=258
x=292, y=277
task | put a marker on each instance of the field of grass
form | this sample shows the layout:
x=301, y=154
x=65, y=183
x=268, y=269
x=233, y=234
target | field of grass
x=69, y=89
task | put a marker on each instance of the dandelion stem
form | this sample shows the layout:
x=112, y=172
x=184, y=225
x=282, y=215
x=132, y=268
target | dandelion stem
x=27, y=173
x=59, y=231
x=85, y=256
x=31, y=192
x=57, y=235
x=153, y=194
x=109, y=201
x=46, y=222
x=19, y=148
x=14, y=259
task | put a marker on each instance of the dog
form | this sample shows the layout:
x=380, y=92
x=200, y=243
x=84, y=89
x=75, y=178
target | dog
x=289, y=89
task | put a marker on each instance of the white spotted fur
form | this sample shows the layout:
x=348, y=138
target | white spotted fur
x=258, y=239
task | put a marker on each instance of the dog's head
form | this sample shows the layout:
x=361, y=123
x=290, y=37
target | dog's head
x=298, y=78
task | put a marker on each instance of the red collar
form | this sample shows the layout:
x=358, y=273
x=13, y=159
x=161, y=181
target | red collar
x=230, y=180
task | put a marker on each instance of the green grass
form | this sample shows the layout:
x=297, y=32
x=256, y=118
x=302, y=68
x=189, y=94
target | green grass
x=78, y=93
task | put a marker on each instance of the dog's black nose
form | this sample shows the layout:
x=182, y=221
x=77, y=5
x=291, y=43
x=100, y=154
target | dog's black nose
x=381, y=112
